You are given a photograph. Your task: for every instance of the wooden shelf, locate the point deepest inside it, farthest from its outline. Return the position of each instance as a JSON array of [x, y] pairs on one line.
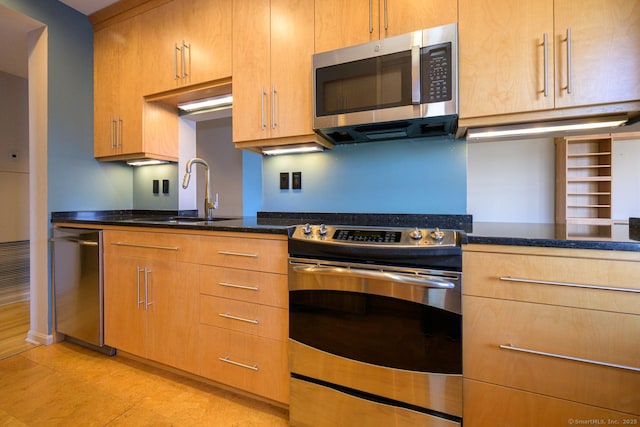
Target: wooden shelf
[[583, 186]]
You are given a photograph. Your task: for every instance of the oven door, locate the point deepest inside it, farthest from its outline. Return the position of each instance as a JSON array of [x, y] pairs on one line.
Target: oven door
[[385, 336]]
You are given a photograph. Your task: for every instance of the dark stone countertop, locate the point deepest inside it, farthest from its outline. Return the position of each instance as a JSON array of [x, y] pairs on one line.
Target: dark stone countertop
[[624, 237]]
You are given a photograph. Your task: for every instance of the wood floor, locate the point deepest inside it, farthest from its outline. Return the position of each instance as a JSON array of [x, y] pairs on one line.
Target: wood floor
[[67, 385]]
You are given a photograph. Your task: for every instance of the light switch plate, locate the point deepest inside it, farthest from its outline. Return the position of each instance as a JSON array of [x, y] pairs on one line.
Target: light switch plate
[[284, 180], [296, 183]]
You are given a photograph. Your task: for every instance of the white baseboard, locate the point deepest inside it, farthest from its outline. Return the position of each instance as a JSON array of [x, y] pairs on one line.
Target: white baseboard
[[39, 338]]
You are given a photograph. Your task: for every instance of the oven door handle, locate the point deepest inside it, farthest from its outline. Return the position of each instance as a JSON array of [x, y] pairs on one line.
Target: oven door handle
[[424, 281]]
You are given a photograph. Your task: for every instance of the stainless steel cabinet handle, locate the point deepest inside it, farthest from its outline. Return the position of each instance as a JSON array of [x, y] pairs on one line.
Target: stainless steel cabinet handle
[[263, 95], [176, 49], [562, 356], [573, 285], [185, 71], [119, 133], [242, 365], [136, 245], [274, 121], [140, 270], [241, 319], [425, 281], [146, 289], [545, 45], [231, 285], [370, 16], [238, 254], [386, 16], [569, 86], [112, 133]]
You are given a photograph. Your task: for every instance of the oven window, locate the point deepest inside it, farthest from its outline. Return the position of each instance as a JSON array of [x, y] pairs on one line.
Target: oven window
[[378, 330]]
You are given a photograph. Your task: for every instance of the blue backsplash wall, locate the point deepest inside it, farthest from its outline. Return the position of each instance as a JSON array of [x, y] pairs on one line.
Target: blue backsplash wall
[[410, 176]]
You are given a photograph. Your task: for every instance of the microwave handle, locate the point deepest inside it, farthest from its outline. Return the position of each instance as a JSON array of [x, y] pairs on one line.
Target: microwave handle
[[415, 75]]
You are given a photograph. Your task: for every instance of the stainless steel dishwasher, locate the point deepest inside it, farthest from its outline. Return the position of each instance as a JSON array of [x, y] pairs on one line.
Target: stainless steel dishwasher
[[78, 286]]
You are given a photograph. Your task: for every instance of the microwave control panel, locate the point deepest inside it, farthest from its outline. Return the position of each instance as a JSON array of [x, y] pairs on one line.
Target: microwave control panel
[[436, 70]]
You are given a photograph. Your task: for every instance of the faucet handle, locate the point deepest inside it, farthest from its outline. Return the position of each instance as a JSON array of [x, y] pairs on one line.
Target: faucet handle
[[215, 202]]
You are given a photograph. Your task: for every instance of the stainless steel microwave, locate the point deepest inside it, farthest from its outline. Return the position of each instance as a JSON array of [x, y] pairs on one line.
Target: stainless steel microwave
[[404, 86]]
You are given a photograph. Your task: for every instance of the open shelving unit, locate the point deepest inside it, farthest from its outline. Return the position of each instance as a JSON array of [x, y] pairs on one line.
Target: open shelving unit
[[583, 186]]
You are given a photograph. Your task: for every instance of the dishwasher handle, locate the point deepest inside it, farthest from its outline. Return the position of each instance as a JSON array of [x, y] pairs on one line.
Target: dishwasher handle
[[81, 242]]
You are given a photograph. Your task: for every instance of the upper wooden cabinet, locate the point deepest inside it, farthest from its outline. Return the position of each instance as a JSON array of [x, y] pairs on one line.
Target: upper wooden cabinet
[[119, 108], [340, 23], [186, 42], [538, 55], [272, 94]]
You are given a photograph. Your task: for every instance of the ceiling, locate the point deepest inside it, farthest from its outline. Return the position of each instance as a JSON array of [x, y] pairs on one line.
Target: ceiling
[[87, 7], [15, 26]]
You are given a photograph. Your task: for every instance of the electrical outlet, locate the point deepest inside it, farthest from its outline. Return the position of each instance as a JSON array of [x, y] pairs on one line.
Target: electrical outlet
[[284, 180], [296, 183], [165, 186], [156, 186]]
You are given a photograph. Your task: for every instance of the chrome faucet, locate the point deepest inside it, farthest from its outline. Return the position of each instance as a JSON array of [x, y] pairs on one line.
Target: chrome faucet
[[209, 206]]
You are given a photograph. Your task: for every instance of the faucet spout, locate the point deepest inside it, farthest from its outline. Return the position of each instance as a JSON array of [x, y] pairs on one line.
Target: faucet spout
[[209, 206]]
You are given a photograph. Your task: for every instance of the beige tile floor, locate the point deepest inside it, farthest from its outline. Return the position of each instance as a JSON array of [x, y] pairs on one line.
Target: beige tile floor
[[67, 385]]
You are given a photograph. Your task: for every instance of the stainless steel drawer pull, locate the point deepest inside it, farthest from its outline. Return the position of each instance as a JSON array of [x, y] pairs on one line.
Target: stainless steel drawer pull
[[135, 245], [242, 319], [238, 254], [231, 285], [242, 365], [571, 285], [562, 356]]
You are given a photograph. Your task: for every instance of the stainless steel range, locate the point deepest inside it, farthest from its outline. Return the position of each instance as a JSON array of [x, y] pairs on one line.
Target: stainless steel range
[[375, 326]]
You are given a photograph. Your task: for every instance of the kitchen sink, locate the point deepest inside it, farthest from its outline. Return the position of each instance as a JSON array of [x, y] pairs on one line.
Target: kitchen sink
[[180, 220]]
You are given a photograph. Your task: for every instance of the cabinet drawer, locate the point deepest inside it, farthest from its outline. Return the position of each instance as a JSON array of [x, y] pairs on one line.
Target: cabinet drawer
[[242, 252], [249, 363], [249, 318], [524, 409], [526, 278], [157, 246], [598, 336], [245, 285]]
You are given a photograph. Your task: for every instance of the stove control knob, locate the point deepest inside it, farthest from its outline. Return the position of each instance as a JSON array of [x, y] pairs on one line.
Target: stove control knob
[[307, 229], [415, 234], [322, 230], [437, 234]]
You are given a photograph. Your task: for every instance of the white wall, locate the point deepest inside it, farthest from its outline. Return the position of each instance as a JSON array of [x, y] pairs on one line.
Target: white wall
[[14, 172], [626, 179], [514, 181], [511, 181]]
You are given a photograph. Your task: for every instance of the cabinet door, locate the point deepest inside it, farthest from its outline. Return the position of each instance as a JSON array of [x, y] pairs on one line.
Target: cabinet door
[[207, 28], [291, 78], [124, 312], [105, 86], [172, 328], [605, 47], [130, 88], [403, 16], [251, 64], [502, 57], [340, 23], [161, 59]]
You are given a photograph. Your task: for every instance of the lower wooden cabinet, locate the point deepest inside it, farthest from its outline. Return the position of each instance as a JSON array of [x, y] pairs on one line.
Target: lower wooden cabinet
[[550, 336], [150, 298], [493, 405], [245, 361], [212, 305]]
